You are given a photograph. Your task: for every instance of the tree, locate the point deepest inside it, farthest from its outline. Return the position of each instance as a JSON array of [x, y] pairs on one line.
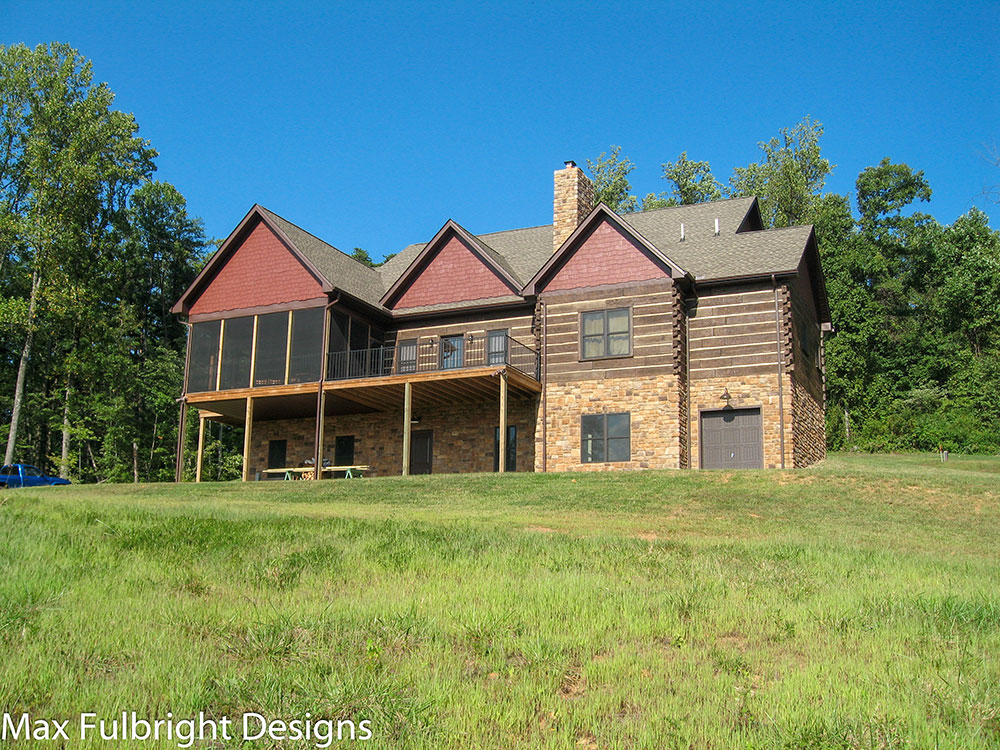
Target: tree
[[362, 256], [789, 177], [67, 164], [693, 181], [609, 173]]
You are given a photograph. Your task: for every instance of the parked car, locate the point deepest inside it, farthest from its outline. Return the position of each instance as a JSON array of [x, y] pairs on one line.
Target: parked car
[[26, 475]]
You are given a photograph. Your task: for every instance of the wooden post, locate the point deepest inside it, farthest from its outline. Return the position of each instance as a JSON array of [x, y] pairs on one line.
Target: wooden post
[[320, 431], [218, 369], [288, 347], [248, 429], [201, 447], [181, 428], [502, 459], [407, 408], [253, 351]]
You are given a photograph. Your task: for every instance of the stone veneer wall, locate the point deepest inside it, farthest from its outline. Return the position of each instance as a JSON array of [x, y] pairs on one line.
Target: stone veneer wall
[[463, 438], [808, 426], [747, 391], [653, 402]]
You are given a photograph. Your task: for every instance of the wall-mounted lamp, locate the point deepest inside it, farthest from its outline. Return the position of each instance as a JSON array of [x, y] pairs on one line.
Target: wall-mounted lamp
[[415, 420], [725, 396]]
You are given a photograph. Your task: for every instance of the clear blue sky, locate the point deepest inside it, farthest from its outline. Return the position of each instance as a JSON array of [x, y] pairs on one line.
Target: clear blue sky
[[370, 124]]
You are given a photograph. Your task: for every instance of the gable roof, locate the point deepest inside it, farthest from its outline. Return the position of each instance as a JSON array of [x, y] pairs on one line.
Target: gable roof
[[490, 258], [600, 213], [521, 256]]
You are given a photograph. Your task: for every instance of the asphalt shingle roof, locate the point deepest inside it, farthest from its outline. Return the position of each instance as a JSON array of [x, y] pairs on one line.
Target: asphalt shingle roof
[[522, 252]]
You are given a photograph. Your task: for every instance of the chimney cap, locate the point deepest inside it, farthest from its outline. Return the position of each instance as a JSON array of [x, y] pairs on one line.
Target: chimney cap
[[570, 164]]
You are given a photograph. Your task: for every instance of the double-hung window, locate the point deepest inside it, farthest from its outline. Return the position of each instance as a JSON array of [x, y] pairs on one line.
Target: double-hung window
[[605, 437], [605, 333]]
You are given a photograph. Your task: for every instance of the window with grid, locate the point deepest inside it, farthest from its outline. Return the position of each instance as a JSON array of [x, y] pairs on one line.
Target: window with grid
[[605, 438], [605, 333]]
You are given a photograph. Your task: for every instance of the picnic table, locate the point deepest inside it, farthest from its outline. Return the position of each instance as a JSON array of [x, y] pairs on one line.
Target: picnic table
[[299, 472]]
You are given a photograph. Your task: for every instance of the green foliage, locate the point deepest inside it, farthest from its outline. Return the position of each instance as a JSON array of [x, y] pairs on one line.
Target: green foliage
[[609, 173], [788, 178], [693, 183], [94, 255]]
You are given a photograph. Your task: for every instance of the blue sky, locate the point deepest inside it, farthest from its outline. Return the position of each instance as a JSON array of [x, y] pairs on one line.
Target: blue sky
[[370, 124]]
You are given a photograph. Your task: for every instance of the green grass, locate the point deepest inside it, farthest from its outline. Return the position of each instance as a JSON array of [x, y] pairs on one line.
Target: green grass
[[853, 605]]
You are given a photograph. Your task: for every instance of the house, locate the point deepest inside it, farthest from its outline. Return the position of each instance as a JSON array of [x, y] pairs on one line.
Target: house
[[682, 337]]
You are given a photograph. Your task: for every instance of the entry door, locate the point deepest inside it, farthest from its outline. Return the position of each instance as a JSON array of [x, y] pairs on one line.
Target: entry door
[[421, 451], [732, 439], [343, 450]]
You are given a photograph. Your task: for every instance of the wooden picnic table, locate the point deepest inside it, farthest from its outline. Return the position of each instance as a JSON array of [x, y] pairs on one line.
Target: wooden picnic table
[[350, 472]]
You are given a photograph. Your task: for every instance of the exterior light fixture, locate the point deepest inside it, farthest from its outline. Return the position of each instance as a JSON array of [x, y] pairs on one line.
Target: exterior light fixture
[[725, 396]]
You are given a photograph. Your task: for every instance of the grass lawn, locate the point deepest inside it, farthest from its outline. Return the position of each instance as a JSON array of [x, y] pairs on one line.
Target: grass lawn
[[856, 604]]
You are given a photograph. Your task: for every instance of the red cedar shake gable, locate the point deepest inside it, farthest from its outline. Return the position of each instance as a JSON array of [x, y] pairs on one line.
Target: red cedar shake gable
[[451, 272], [605, 256], [261, 270]]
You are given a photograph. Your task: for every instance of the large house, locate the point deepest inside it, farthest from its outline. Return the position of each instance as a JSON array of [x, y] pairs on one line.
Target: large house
[[682, 337]]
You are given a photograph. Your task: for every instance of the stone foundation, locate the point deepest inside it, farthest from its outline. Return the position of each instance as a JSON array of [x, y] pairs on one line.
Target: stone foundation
[[653, 402], [463, 438], [808, 426]]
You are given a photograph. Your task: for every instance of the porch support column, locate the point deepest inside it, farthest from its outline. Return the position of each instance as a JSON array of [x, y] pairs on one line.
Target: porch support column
[[502, 458], [320, 431], [247, 431], [181, 429], [407, 409], [201, 447]]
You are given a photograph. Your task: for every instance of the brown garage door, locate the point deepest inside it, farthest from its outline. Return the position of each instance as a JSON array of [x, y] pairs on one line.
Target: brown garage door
[[731, 439]]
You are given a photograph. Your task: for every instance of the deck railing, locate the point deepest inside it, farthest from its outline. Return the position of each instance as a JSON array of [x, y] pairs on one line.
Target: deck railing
[[446, 353]]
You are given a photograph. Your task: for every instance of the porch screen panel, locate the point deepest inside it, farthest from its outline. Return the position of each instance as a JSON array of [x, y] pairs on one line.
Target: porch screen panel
[[204, 356], [236, 343], [307, 338], [272, 346]]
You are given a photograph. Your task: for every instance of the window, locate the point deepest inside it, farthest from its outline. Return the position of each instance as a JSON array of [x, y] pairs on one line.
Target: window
[[605, 437], [237, 340], [276, 454], [407, 356], [452, 351], [31, 471], [605, 333], [496, 347], [204, 356], [343, 450], [510, 464], [272, 346], [307, 337]]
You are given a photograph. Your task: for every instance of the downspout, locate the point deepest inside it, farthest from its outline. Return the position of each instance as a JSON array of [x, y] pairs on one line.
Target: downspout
[[545, 372], [781, 370], [318, 452]]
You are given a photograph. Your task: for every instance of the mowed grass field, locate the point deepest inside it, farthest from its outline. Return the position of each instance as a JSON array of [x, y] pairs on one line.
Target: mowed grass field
[[852, 605]]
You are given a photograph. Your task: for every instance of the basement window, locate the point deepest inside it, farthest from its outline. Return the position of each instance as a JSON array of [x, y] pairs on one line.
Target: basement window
[[605, 438], [605, 333]]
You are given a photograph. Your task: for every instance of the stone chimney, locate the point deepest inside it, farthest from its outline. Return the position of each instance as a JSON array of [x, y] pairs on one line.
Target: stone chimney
[[574, 199]]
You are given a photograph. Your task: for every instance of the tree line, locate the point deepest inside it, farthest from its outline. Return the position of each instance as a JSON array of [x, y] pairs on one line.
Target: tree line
[[914, 360], [94, 251]]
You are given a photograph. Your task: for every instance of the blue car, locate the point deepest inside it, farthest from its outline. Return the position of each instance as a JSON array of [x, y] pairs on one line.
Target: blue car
[[25, 475]]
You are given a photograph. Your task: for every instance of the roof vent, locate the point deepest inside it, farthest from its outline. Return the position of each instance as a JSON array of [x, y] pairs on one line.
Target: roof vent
[[716, 227], [682, 231]]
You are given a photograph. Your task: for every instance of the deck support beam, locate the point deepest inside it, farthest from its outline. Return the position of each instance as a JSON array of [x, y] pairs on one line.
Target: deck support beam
[[502, 458], [201, 447], [247, 434], [181, 429], [407, 410]]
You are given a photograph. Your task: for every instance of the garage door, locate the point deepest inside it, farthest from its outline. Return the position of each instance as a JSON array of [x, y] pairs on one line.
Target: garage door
[[731, 439]]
